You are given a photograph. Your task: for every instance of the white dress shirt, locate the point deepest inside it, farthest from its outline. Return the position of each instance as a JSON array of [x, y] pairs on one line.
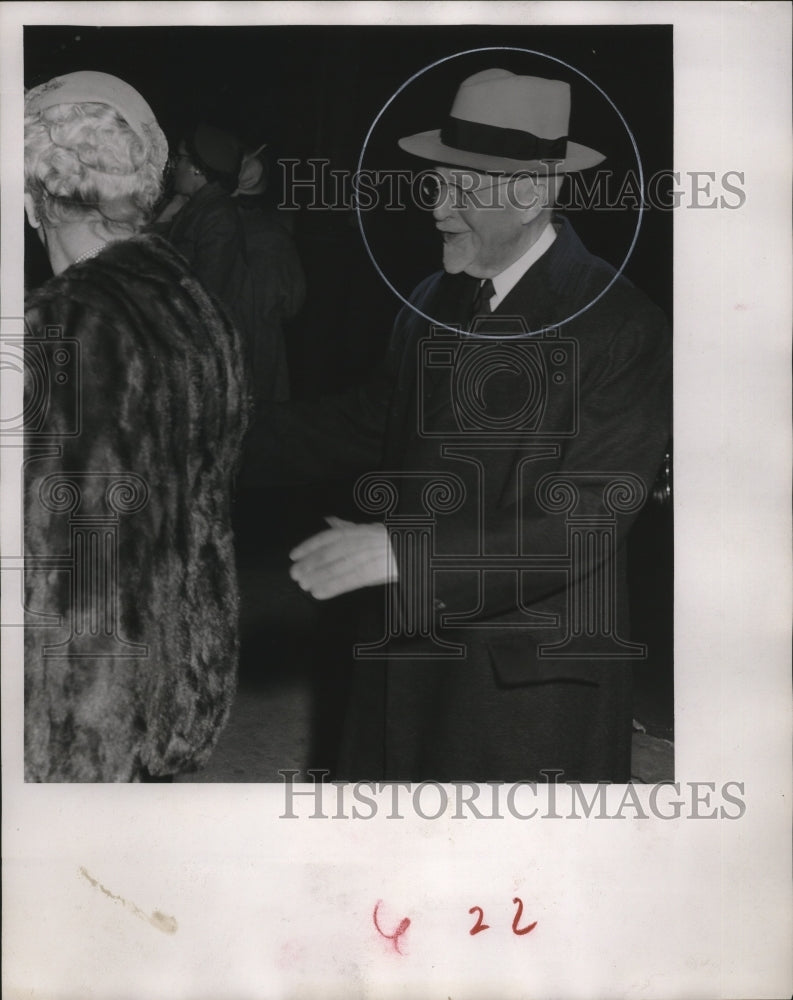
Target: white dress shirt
[[506, 281]]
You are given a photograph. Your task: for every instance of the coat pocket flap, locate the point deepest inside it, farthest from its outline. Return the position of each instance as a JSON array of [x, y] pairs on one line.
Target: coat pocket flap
[[515, 662]]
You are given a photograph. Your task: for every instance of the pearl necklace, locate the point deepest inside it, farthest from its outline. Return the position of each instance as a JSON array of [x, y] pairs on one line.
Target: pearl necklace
[[88, 254]]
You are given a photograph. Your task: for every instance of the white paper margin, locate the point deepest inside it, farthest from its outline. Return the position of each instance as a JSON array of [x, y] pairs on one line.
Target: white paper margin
[[268, 907]]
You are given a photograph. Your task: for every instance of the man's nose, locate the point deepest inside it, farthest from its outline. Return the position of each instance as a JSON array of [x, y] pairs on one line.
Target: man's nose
[[445, 207]]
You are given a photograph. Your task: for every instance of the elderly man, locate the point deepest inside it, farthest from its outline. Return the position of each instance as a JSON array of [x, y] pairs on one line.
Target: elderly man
[[515, 451]]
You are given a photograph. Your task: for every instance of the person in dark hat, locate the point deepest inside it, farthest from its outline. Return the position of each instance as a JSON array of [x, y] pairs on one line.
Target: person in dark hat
[[279, 283], [200, 221], [518, 422], [249, 265]]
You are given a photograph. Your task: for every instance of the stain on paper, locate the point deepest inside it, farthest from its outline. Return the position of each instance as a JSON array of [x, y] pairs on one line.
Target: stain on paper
[[161, 921]]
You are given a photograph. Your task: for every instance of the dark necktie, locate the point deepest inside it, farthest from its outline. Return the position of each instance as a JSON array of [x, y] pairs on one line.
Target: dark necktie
[[481, 306]]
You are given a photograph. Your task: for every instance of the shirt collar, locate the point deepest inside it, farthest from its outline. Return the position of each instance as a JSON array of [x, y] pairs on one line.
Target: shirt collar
[[506, 281]]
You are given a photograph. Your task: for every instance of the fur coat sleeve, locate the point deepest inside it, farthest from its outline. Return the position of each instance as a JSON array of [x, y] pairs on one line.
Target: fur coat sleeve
[[136, 410]]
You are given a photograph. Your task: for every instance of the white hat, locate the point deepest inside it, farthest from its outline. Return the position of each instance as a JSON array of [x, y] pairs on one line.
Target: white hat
[[503, 122]]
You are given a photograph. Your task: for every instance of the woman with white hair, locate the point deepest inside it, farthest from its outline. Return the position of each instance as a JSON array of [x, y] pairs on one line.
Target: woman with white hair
[[131, 593]]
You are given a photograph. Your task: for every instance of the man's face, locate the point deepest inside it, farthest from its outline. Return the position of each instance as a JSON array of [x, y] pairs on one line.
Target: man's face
[[482, 221]]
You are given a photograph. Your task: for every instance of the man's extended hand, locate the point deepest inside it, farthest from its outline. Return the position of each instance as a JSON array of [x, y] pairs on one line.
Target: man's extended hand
[[345, 557]]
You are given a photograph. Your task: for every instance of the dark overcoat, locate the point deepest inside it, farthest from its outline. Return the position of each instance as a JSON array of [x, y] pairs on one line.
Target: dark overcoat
[[542, 449], [135, 414], [250, 264]]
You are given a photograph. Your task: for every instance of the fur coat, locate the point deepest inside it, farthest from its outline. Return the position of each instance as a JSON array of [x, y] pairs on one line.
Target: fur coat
[[133, 438]]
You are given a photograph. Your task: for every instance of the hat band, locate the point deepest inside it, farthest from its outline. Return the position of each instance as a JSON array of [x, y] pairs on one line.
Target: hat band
[[492, 140]]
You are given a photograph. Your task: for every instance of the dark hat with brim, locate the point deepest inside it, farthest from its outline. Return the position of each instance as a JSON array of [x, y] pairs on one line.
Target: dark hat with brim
[[217, 149], [501, 122]]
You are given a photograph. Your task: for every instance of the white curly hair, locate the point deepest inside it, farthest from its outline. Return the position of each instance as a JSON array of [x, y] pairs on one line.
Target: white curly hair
[[84, 160]]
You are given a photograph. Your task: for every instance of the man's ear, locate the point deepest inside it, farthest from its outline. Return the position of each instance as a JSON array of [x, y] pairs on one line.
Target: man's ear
[[30, 211], [530, 196], [537, 193]]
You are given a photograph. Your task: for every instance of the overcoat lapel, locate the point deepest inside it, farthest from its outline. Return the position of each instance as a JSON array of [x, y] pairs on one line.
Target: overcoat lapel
[[448, 303]]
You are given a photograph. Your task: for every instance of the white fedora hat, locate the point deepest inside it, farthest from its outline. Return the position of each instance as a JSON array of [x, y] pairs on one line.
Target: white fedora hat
[[503, 122]]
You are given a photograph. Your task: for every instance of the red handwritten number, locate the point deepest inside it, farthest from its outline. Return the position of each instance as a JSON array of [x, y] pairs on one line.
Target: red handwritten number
[[518, 915], [480, 924], [394, 938]]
